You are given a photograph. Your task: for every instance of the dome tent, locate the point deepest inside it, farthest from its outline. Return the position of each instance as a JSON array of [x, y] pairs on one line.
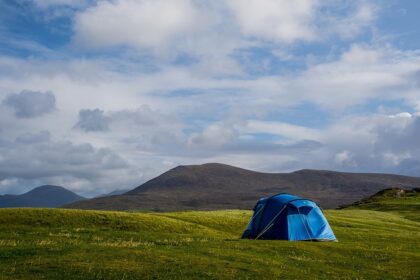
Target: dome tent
[[288, 217]]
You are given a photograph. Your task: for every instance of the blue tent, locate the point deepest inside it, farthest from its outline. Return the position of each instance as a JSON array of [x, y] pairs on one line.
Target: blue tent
[[288, 217]]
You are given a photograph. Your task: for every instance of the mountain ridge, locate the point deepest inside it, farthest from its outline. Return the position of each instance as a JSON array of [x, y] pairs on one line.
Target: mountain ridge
[[219, 186], [42, 196]]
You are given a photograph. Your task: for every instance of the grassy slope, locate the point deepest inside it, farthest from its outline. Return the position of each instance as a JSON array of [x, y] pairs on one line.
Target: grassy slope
[[403, 202], [74, 244]]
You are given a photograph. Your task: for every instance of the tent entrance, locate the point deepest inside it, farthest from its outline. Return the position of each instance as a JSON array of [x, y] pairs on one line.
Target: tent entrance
[[297, 219]]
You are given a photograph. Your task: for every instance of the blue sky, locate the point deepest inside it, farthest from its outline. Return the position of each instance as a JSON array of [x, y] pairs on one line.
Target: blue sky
[[104, 95]]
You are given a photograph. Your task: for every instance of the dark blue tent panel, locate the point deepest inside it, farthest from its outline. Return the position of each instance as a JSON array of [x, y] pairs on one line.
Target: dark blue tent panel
[[288, 217]]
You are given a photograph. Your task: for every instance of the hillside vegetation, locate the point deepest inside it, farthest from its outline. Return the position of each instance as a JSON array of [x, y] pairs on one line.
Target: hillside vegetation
[[395, 200], [77, 244]]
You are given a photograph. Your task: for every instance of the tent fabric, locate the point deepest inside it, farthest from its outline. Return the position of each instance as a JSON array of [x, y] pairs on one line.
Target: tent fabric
[[288, 217]]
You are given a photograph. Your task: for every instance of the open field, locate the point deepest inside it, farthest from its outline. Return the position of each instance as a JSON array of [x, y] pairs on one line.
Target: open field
[[76, 244]]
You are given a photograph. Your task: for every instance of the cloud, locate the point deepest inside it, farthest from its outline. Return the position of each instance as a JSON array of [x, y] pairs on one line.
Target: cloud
[[360, 17], [200, 118], [30, 104], [32, 138], [409, 167], [398, 134], [215, 28], [140, 130], [294, 132], [92, 120], [145, 23], [384, 143], [68, 3], [213, 135], [345, 159], [34, 157], [142, 85], [361, 73], [275, 20], [143, 116], [124, 120], [262, 148]]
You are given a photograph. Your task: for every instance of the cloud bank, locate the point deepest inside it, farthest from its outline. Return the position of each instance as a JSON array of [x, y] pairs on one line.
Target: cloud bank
[[104, 95]]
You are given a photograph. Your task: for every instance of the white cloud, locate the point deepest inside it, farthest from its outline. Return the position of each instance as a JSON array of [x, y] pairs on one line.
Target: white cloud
[[401, 115], [345, 159], [215, 28], [36, 157], [178, 92], [275, 20], [362, 73], [286, 130], [213, 135], [144, 23], [355, 17]]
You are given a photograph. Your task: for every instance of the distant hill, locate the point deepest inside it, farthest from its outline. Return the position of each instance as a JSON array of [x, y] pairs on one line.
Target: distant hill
[[43, 196], [220, 186]]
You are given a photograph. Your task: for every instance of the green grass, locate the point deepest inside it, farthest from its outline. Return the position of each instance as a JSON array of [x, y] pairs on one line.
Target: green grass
[[75, 244], [403, 202]]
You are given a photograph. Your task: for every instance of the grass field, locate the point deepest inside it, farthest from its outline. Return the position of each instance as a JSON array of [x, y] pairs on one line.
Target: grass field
[[75, 244]]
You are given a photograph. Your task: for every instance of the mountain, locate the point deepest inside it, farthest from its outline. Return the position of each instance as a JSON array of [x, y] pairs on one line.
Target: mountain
[[43, 196], [220, 186]]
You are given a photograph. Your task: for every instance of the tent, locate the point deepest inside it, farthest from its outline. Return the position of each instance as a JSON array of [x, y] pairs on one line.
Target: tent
[[288, 217]]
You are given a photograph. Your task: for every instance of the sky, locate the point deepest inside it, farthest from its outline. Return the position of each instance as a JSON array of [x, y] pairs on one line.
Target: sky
[[103, 95]]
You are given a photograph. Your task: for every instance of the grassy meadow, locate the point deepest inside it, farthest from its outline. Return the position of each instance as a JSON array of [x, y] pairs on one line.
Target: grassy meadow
[[77, 244]]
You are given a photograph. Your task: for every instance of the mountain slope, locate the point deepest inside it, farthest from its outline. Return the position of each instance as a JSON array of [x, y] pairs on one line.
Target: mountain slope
[[219, 186], [43, 196]]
